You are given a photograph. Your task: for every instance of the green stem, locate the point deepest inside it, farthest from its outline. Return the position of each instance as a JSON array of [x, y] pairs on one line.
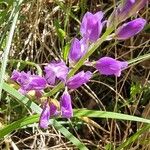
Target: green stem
[[39, 70], [139, 59], [91, 50]]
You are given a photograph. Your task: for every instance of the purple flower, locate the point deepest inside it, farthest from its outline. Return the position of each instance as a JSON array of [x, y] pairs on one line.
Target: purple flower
[[45, 115], [15, 75], [56, 70], [20, 77], [28, 82], [130, 29], [78, 49], [91, 26], [110, 66], [125, 10], [66, 106], [49, 110], [78, 79]]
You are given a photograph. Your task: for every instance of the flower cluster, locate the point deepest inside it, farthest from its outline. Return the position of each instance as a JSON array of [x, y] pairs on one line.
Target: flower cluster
[[90, 30]]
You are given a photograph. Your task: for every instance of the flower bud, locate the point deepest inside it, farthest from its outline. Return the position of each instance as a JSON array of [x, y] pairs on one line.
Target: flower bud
[[45, 115], [110, 66], [91, 26], [78, 49], [78, 79], [49, 109], [125, 10], [65, 105], [130, 29]]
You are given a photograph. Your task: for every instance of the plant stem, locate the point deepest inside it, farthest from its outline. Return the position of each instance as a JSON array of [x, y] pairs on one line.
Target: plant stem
[[39, 70], [91, 50]]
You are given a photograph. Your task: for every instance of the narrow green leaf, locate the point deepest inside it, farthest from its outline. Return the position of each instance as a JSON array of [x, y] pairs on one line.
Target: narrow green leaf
[[8, 45], [33, 119], [105, 114], [77, 113], [22, 98], [30, 104], [18, 124], [69, 136]]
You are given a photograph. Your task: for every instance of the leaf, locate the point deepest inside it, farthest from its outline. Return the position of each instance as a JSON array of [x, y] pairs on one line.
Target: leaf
[[106, 114], [18, 125], [30, 104], [69, 136], [23, 99], [57, 125], [8, 44]]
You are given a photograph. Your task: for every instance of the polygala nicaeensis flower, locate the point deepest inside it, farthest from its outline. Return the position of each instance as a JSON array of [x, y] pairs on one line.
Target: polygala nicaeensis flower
[[124, 11], [49, 110], [66, 105], [79, 79], [56, 70], [130, 29], [28, 82], [110, 66], [45, 115], [91, 26], [78, 49]]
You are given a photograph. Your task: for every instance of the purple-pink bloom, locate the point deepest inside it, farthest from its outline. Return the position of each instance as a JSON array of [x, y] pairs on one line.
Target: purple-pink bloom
[[110, 66], [78, 49], [45, 115], [20, 77], [56, 70], [49, 109], [125, 10], [66, 105], [91, 26], [130, 29], [28, 82], [79, 79]]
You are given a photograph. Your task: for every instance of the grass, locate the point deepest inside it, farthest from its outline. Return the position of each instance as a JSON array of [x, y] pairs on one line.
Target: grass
[[36, 32]]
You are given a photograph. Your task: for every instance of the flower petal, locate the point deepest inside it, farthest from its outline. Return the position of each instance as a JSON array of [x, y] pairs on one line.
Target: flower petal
[[110, 66], [130, 29], [79, 79], [15, 75], [75, 50], [78, 49], [28, 82], [91, 26], [45, 115], [56, 69], [66, 106], [124, 11]]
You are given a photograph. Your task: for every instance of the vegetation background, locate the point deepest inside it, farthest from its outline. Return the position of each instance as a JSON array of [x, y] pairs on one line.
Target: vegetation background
[[37, 31]]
